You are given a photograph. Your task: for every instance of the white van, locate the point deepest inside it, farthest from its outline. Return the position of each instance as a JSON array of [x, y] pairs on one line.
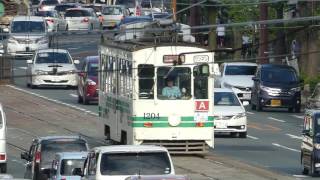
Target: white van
[[119, 162], [3, 148]]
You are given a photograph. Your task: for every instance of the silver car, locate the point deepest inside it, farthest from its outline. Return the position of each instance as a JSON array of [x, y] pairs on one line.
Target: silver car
[[112, 15], [52, 67], [27, 34], [82, 19]]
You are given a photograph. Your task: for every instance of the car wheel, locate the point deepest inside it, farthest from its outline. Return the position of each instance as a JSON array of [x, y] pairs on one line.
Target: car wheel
[[80, 99], [32, 86], [3, 168], [243, 135]]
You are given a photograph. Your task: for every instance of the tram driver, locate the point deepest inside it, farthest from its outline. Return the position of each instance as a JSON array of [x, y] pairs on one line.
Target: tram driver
[[170, 90]]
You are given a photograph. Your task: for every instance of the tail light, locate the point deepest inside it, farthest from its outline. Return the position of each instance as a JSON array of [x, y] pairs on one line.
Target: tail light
[[63, 178], [138, 11], [38, 157], [147, 124], [85, 20], [2, 157], [50, 20], [199, 124]]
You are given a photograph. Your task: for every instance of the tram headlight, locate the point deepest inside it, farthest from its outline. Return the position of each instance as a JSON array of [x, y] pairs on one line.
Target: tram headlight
[[174, 121]]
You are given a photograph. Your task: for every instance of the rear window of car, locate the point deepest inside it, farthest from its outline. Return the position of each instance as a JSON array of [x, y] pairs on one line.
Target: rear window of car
[[240, 70], [77, 13], [64, 7], [68, 165], [53, 57], [112, 11], [50, 148], [144, 163], [49, 2], [45, 14]]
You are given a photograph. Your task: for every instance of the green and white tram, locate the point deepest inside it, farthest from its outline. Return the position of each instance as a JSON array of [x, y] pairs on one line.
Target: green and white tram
[[157, 94]]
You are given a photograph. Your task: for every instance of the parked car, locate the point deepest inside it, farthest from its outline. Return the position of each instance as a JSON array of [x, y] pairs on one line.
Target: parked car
[[3, 141], [238, 77], [276, 86], [88, 80], [96, 7], [122, 161], [64, 164], [47, 5], [310, 147], [42, 152], [52, 67], [229, 113], [82, 19], [27, 34], [158, 177], [54, 21], [313, 102], [112, 15], [61, 8]]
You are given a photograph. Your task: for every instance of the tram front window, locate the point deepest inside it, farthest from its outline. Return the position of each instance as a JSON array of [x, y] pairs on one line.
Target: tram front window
[[174, 83], [146, 81]]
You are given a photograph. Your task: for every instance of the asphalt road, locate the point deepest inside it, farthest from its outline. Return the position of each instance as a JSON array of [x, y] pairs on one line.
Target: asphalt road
[[274, 136]]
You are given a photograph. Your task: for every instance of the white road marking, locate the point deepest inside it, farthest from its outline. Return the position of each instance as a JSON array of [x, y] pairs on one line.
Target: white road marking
[[74, 48], [252, 137], [300, 176], [250, 112], [54, 100], [73, 95], [275, 119], [285, 147], [298, 116], [294, 136], [23, 68]]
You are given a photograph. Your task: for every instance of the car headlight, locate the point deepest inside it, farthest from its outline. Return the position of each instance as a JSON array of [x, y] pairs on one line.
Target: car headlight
[[91, 83], [271, 90], [317, 146], [227, 85], [240, 115], [296, 89], [42, 40], [40, 72], [12, 40]]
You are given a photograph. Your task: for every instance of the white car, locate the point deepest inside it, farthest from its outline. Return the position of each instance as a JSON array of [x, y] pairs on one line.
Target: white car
[[229, 113], [3, 144], [54, 21], [119, 162], [238, 77], [82, 19], [52, 67], [112, 15], [47, 5], [26, 35]]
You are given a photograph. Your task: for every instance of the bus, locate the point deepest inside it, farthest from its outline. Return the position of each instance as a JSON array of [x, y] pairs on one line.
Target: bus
[[157, 94]]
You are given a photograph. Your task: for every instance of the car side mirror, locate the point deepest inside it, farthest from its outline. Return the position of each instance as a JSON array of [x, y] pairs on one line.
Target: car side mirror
[[77, 172], [25, 156], [245, 103], [255, 79], [76, 61]]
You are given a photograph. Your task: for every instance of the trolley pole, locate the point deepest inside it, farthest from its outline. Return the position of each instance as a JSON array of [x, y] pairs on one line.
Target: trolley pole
[[263, 36]]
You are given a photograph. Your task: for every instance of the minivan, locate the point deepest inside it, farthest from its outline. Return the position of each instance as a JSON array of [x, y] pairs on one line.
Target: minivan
[[276, 86], [310, 147], [3, 146]]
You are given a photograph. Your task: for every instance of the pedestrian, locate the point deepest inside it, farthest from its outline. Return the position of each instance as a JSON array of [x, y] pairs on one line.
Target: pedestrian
[[245, 45], [220, 35]]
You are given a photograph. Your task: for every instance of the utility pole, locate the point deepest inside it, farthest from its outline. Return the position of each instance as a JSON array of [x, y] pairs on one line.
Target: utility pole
[[263, 36], [174, 9]]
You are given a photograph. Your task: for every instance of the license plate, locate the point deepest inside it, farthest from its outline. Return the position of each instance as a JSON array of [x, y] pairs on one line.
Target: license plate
[[246, 96], [275, 102], [221, 124]]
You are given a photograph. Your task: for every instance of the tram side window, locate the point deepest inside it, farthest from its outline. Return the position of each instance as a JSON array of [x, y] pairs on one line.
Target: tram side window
[[201, 74], [146, 81]]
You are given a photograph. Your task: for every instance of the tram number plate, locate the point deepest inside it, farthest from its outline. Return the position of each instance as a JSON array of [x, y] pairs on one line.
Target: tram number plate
[[151, 116], [201, 116]]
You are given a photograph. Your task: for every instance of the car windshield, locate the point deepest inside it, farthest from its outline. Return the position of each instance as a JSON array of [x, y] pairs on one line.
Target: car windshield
[[93, 69], [64, 7], [53, 57], [112, 11], [240, 70], [144, 163], [225, 99], [279, 75], [77, 13], [127, 3], [50, 148], [28, 27], [50, 2], [45, 13], [68, 165]]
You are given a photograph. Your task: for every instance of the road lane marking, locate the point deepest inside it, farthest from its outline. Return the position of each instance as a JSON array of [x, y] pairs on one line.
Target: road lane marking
[[252, 137], [272, 128], [73, 95], [298, 116], [250, 112], [300, 176], [73, 48], [285, 147], [263, 127], [23, 68], [275, 119], [54, 100], [294, 136]]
